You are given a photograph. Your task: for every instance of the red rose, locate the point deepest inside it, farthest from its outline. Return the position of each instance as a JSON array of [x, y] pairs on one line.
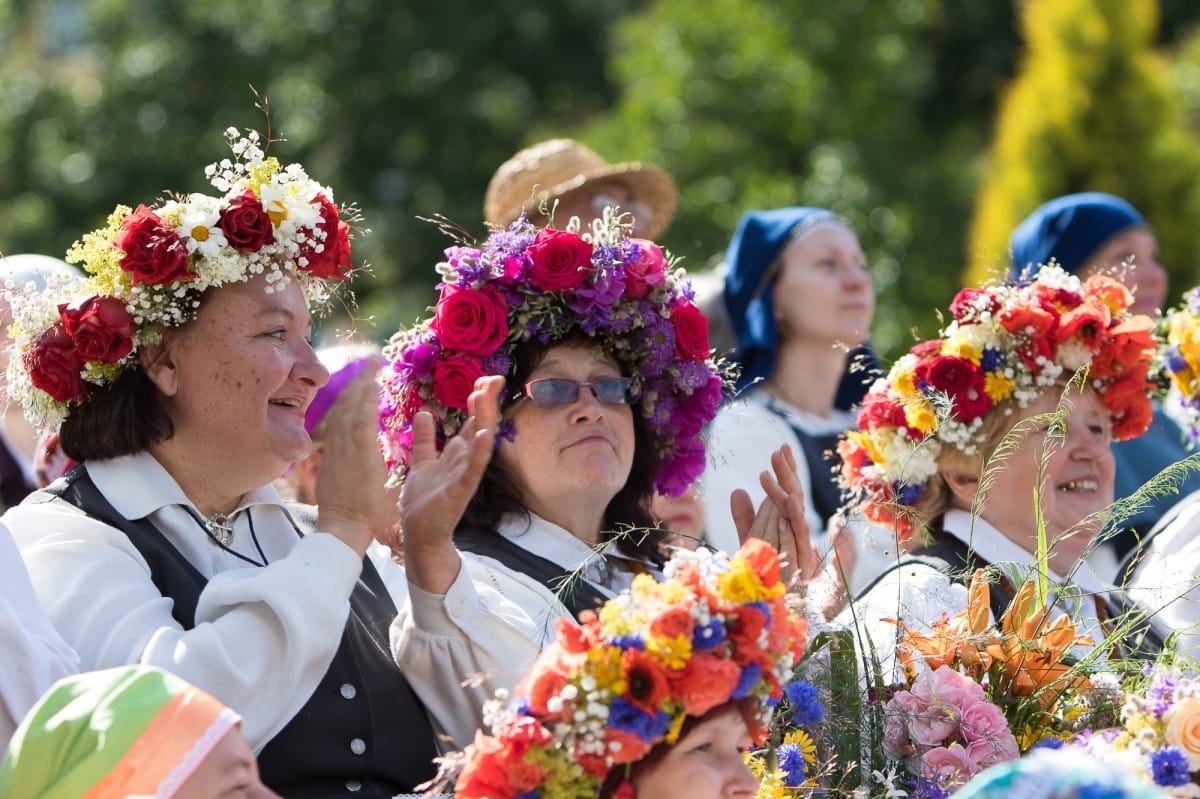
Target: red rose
[[454, 379], [672, 623], [1033, 321], [484, 776], [961, 380], [558, 261], [247, 226], [101, 327], [648, 268], [54, 367], [691, 332], [965, 306], [333, 261], [705, 682], [474, 322], [154, 253]]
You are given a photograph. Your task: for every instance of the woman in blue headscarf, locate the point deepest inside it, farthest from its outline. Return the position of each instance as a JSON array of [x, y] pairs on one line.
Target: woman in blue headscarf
[[1093, 232], [799, 300]]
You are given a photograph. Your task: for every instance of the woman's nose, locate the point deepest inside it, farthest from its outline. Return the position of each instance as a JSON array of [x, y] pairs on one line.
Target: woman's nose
[[586, 407], [741, 781], [309, 368]]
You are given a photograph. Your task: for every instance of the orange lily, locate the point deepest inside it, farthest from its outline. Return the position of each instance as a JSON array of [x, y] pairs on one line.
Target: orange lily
[[962, 642]]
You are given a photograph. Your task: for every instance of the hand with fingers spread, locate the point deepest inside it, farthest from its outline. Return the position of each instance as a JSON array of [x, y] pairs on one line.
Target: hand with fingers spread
[[779, 519], [351, 489], [439, 486]]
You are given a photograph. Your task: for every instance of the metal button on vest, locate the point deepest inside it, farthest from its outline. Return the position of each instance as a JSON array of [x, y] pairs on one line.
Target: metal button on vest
[[348, 691], [353, 785], [358, 746]]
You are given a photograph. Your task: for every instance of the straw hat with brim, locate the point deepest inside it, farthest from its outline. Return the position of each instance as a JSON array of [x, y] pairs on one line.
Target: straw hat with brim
[[550, 169]]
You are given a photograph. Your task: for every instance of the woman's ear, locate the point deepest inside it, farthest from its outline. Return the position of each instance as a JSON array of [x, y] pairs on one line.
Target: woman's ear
[[963, 485], [158, 362]]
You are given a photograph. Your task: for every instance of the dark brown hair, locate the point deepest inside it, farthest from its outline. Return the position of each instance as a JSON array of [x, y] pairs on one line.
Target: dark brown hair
[[124, 417], [499, 493]]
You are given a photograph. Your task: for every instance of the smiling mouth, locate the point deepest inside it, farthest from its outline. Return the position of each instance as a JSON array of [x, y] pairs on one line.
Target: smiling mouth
[[1073, 486], [286, 403]]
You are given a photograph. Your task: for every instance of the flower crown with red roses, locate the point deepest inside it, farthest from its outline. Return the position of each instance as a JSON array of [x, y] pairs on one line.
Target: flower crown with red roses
[[528, 284], [716, 630], [1007, 344], [147, 268]]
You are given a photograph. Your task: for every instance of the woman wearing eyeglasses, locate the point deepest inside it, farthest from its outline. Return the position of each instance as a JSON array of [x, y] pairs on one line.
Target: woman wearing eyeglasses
[[561, 381]]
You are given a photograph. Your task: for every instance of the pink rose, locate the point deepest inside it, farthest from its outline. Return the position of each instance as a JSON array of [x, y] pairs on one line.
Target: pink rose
[[691, 332], [54, 367], [454, 379], [647, 269], [474, 322], [154, 253], [989, 741], [247, 226], [101, 328], [333, 261], [559, 261], [950, 766]]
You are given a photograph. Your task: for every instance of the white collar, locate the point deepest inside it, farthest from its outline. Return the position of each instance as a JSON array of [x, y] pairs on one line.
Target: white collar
[[550, 541], [138, 485], [997, 548]]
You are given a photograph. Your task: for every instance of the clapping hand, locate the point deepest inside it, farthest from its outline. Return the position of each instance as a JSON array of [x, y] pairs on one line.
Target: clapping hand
[[439, 486], [779, 519]]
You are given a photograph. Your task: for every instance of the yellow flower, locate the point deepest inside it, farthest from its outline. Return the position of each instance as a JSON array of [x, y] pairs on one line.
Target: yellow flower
[[962, 349], [741, 585], [920, 414], [997, 386], [671, 652], [864, 441], [604, 663], [904, 383], [808, 747]]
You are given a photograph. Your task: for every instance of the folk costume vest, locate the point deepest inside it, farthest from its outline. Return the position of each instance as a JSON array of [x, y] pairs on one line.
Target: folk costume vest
[[363, 732]]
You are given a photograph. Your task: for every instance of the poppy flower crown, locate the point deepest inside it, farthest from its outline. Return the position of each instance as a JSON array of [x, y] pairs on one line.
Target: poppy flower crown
[[1005, 346], [147, 268], [528, 284], [1179, 357], [716, 630]]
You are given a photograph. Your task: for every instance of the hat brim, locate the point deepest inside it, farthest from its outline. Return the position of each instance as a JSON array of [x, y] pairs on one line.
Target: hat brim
[[646, 183]]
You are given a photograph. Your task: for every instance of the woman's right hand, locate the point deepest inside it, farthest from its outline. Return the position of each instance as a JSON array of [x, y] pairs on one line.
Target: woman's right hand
[[438, 487]]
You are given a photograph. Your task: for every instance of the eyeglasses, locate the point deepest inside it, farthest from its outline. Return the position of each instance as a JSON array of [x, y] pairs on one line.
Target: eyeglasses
[[547, 391], [640, 211]]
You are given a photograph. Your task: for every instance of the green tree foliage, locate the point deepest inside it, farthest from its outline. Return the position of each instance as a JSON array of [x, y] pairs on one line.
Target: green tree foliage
[[1093, 107], [405, 109], [874, 109]]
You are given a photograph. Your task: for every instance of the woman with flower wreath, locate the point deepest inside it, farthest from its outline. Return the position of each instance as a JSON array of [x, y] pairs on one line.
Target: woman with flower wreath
[[657, 694], [979, 442], [180, 370], [562, 380]]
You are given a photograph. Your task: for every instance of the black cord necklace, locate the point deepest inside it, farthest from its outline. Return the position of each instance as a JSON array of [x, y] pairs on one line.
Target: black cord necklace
[[220, 533]]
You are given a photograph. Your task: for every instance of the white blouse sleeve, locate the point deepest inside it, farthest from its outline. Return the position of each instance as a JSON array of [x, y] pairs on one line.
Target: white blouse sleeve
[[1167, 579], [482, 635], [32, 653], [740, 442], [263, 638]]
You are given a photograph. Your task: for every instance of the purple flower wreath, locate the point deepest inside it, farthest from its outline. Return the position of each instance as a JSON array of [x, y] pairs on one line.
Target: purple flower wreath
[[526, 283]]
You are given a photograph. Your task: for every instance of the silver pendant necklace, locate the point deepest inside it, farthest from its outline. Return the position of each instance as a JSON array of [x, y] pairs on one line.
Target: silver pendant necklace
[[218, 527]]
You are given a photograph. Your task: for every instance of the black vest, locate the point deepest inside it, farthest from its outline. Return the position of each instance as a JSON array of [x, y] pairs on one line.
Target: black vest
[[363, 732], [820, 453], [572, 590]]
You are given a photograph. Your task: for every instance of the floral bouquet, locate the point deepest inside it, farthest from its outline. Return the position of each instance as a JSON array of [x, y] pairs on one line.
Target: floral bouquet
[[1179, 357], [1158, 732]]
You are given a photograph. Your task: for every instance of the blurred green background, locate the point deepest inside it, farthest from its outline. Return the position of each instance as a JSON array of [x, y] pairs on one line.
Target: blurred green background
[[932, 126]]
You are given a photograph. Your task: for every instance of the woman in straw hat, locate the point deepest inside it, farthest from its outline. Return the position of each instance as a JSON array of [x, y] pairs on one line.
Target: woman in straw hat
[[979, 442], [181, 370], [617, 706], [561, 381], [561, 178], [130, 731]]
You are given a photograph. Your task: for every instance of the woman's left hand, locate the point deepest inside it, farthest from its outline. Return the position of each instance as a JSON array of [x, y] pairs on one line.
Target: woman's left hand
[[779, 519]]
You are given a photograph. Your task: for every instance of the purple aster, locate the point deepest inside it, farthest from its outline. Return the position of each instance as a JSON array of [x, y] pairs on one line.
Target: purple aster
[[626, 716], [600, 296], [1175, 360], [1193, 300], [1160, 694], [657, 338], [1169, 766], [791, 762], [749, 678], [497, 364], [923, 788], [807, 709]]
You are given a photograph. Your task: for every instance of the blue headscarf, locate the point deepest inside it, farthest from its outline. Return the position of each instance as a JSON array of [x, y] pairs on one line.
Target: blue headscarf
[[759, 239], [1068, 229]]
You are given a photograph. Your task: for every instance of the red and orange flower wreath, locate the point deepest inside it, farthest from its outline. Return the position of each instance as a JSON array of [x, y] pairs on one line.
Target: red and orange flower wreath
[[608, 690], [147, 267], [1006, 345], [525, 283]]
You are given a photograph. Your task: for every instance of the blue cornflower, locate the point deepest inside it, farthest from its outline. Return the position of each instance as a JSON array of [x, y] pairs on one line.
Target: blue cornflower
[[922, 788], [708, 636], [748, 679], [629, 642], [1169, 766], [1048, 743], [625, 716], [807, 709], [792, 764], [992, 359]]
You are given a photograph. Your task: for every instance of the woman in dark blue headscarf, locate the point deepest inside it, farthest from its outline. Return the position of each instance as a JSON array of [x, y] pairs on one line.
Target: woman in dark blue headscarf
[[1093, 232], [798, 298]]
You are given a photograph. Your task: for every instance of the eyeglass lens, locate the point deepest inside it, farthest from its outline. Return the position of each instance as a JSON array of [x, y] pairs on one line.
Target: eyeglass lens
[[561, 390]]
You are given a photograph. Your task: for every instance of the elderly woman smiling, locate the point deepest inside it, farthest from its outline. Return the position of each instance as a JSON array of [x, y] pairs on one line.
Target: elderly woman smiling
[[1012, 444], [587, 363], [181, 371]]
